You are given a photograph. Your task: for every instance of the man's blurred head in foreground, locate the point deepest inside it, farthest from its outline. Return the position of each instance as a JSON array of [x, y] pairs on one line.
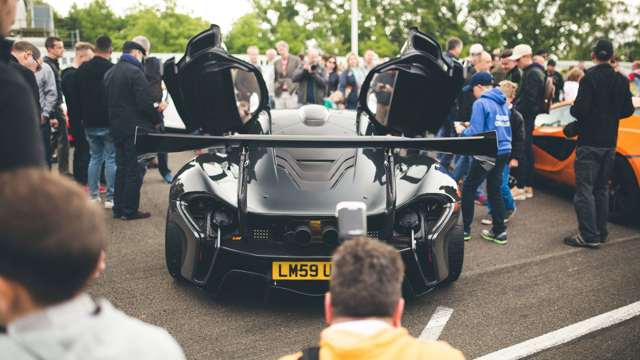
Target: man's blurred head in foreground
[[366, 282], [44, 262]]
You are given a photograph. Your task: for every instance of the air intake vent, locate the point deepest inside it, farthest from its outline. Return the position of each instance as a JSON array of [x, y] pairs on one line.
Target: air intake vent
[[261, 234]]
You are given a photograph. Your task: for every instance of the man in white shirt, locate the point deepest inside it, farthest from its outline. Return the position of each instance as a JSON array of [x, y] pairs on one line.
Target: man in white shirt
[[44, 268], [269, 74]]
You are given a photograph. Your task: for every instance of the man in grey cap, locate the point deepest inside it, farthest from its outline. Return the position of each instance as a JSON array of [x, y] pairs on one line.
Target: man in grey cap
[[129, 104]]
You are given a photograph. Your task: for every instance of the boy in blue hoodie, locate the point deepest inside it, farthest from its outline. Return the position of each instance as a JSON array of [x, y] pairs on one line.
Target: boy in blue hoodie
[[490, 113]]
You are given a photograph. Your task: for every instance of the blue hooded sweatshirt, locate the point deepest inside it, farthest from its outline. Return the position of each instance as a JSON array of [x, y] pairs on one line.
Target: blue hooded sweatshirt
[[491, 113]]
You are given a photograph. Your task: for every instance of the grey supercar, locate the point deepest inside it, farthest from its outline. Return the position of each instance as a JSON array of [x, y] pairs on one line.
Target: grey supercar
[[260, 201]]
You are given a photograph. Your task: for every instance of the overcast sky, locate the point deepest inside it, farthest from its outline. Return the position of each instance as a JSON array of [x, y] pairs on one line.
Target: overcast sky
[[221, 12]]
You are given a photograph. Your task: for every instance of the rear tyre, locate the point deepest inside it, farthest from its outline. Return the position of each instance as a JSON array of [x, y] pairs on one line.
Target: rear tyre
[[455, 247], [174, 250], [624, 195]]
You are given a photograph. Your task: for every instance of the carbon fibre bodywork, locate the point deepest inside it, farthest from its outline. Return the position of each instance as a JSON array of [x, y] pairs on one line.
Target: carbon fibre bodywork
[[292, 186]]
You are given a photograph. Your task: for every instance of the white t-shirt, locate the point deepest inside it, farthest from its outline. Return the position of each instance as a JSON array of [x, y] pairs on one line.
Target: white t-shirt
[[570, 90]]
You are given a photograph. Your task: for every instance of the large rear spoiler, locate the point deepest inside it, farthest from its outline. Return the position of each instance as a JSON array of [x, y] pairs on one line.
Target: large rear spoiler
[[153, 142]]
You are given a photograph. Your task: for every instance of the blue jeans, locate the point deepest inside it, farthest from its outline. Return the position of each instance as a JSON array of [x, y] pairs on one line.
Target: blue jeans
[[477, 174], [509, 204], [102, 150], [462, 167]]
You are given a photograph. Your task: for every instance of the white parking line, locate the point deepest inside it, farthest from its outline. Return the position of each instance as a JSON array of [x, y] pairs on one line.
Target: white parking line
[[565, 334], [535, 259], [436, 324]]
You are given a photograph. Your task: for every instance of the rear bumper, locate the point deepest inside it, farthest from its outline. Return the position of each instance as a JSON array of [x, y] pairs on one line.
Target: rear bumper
[[211, 263]]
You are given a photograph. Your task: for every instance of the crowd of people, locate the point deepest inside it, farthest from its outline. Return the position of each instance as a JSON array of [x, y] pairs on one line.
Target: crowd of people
[[46, 264], [311, 77], [505, 91], [104, 103]]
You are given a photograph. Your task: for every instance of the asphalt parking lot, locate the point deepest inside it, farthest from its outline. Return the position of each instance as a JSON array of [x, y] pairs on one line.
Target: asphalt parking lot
[[506, 294]]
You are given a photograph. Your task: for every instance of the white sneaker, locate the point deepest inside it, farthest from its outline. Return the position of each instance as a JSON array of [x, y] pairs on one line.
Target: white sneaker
[[108, 204], [518, 194], [528, 191]]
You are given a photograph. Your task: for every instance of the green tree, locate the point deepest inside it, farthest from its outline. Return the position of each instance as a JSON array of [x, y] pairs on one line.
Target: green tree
[[245, 32], [167, 30], [93, 20], [565, 27]]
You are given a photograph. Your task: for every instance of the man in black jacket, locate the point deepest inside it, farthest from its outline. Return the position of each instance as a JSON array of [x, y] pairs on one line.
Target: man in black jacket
[[603, 99], [153, 73], [55, 50], [514, 74], [558, 80], [529, 102], [21, 59], [129, 105], [20, 140], [83, 53], [93, 112]]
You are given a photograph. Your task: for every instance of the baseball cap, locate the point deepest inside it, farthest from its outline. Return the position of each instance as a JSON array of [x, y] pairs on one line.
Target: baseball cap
[[480, 78], [132, 45], [520, 51], [476, 49], [603, 49]]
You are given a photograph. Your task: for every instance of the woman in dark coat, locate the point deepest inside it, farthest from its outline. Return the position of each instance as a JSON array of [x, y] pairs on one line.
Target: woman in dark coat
[[331, 70]]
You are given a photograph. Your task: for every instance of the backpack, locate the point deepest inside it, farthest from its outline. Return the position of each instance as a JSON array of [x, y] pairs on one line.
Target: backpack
[[311, 353], [549, 92]]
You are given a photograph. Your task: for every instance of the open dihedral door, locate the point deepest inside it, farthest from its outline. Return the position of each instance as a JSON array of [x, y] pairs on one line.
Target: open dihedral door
[[413, 93], [213, 91]]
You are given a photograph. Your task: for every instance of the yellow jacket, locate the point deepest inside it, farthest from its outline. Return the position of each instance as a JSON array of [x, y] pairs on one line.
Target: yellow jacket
[[388, 343]]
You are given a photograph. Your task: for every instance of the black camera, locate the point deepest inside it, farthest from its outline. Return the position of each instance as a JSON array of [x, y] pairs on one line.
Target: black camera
[[314, 67]]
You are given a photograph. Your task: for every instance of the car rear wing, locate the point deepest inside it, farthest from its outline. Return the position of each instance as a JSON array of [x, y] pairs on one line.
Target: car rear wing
[[154, 142]]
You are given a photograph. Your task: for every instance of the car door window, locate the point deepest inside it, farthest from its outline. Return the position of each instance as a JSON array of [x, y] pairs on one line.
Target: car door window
[[559, 116]]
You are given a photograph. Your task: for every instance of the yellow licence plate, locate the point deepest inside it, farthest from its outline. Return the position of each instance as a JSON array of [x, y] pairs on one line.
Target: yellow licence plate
[[301, 270]]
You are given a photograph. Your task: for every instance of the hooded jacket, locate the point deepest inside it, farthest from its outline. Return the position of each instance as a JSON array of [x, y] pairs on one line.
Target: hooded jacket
[[389, 343], [92, 104], [491, 113], [82, 329]]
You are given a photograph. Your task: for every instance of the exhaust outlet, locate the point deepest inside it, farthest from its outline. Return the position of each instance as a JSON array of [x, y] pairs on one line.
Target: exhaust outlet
[[302, 234], [330, 235]]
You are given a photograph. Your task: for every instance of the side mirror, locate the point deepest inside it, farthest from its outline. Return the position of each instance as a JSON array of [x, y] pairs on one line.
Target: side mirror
[[413, 93]]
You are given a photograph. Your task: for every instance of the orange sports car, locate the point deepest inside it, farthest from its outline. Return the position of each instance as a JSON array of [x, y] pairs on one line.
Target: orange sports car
[[554, 156]]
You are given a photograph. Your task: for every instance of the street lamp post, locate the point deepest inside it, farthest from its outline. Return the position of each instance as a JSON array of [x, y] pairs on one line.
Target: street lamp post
[[354, 26]]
